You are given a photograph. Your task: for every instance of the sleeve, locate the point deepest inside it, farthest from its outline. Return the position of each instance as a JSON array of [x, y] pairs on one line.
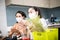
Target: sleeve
[[44, 24], [11, 31]]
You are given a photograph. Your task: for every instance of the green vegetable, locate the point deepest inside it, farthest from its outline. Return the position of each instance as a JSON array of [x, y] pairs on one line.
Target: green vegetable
[[36, 22]]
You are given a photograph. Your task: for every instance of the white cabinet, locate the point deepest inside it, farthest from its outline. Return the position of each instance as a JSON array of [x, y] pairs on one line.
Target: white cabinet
[[54, 3], [38, 3]]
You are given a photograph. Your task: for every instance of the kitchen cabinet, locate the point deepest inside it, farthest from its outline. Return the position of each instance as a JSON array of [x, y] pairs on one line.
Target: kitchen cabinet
[[54, 3], [38, 3]]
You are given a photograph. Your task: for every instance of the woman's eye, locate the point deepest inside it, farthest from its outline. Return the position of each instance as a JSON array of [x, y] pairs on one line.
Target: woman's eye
[[30, 11], [19, 16]]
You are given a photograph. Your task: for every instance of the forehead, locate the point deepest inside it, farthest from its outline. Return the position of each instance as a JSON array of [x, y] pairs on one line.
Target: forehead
[[18, 14], [31, 9]]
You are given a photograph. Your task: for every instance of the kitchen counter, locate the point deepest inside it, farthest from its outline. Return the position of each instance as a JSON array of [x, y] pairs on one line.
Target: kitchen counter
[[55, 25]]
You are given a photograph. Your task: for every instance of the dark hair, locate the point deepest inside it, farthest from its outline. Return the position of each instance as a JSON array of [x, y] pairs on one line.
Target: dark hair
[[38, 10], [22, 13]]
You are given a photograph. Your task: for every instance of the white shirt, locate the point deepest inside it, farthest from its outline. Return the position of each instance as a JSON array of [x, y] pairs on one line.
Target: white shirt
[[44, 24]]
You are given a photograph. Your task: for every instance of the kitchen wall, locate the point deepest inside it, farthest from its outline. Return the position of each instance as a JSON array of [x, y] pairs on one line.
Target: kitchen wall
[[55, 12], [11, 11], [46, 13]]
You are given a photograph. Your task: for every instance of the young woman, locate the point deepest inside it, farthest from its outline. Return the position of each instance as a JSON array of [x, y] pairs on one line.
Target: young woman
[[20, 27], [34, 13], [38, 22]]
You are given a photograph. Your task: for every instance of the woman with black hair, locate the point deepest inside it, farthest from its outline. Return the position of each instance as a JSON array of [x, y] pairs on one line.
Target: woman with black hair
[[38, 21], [34, 13], [20, 27]]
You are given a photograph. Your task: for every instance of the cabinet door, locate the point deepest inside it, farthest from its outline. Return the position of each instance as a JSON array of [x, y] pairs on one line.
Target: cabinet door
[[38, 3], [54, 3]]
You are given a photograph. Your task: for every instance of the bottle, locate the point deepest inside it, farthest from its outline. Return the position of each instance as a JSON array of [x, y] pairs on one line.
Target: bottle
[[53, 19]]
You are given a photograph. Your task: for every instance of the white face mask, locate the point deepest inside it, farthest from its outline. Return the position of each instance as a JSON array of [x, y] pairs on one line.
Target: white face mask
[[32, 15], [19, 19]]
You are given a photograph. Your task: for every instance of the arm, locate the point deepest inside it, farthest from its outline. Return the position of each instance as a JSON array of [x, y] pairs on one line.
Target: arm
[[30, 26], [12, 31], [44, 24]]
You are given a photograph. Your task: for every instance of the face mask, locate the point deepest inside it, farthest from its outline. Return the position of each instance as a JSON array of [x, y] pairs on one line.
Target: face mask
[[19, 19], [32, 15]]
